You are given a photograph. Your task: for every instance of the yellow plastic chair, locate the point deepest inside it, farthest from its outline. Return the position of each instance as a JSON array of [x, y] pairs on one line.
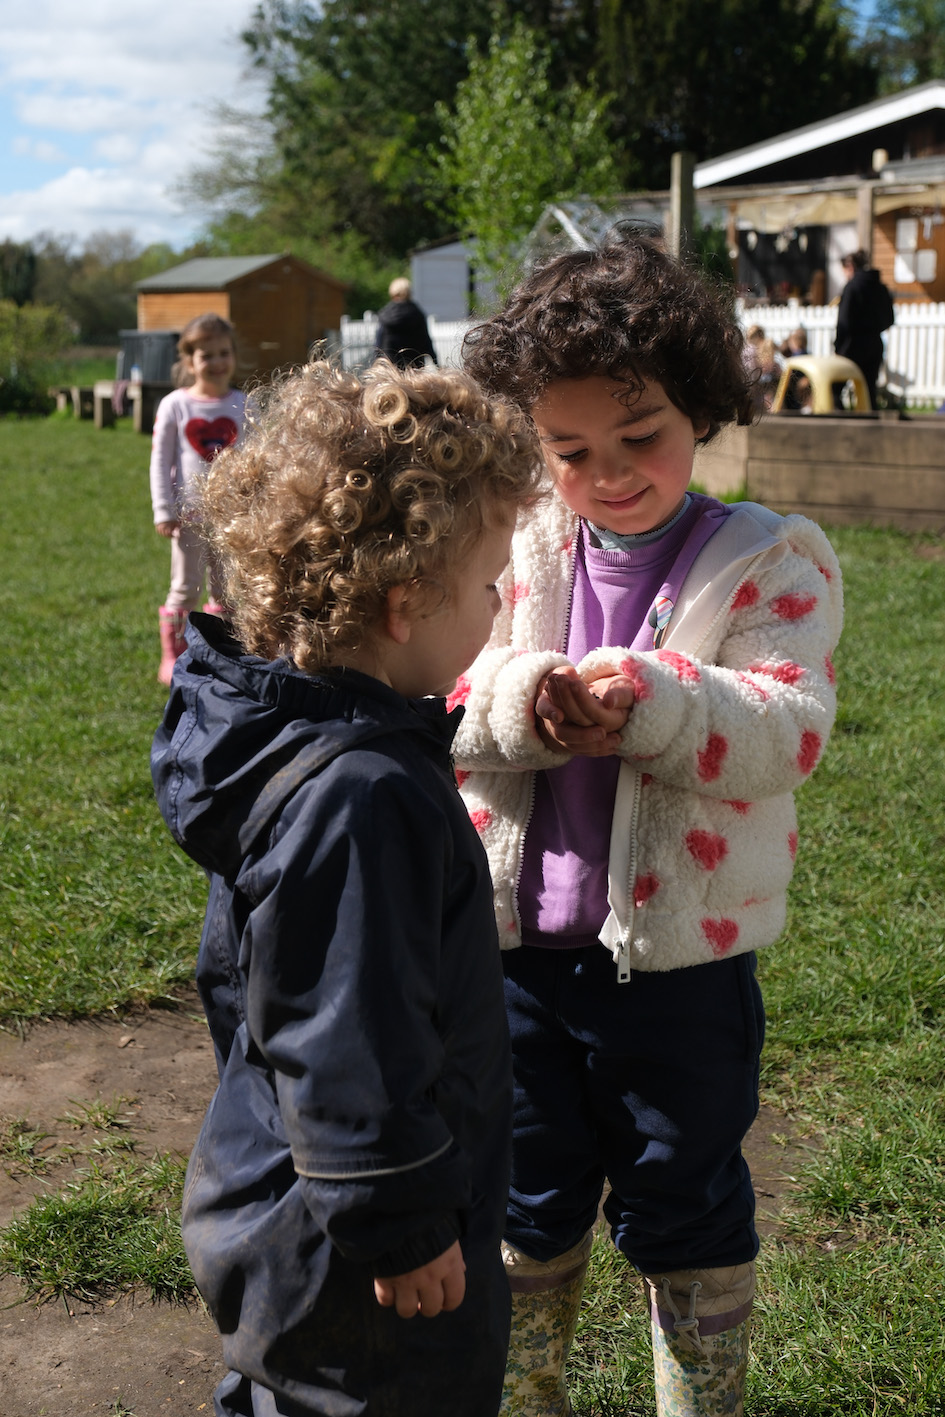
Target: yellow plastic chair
[[823, 372]]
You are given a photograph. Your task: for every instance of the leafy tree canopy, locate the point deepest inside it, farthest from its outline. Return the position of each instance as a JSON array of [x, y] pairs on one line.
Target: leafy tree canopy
[[17, 272], [713, 78], [356, 91], [907, 41], [352, 89], [511, 143], [93, 285], [371, 129], [30, 338]]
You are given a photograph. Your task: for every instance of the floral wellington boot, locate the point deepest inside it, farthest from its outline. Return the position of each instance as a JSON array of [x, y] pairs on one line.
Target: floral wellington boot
[[546, 1301], [699, 1325]]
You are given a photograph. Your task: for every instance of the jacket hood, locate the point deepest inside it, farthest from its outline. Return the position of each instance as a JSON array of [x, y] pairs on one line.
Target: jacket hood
[[240, 734]]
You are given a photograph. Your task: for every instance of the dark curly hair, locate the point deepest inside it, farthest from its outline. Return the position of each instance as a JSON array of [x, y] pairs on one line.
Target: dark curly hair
[[626, 310], [346, 487]]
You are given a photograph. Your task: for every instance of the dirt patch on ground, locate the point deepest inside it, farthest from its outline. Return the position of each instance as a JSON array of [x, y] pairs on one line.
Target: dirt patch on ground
[[129, 1356]]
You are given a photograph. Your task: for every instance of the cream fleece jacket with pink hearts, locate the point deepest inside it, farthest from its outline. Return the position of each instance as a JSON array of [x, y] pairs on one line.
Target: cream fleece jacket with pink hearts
[[732, 713]]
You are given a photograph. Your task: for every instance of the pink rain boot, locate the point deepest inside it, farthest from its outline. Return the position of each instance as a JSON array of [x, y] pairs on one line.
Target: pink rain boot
[[214, 607], [173, 643]]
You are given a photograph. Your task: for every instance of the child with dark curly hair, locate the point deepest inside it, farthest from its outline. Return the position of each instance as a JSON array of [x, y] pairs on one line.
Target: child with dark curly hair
[[352, 1169], [659, 682]]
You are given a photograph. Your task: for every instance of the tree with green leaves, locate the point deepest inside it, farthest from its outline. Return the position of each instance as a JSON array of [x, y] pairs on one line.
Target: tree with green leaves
[[347, 166], [343, 174], [31, 337], [906, 38], [353, 86], [17, 272], [713, 78], [512, 143], [93, 284]]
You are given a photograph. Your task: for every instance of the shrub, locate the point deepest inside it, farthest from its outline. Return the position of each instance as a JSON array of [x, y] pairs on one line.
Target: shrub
[[31, 337]]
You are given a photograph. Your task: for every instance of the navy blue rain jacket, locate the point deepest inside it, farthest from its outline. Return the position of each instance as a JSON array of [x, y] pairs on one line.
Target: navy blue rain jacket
[[351, 975]]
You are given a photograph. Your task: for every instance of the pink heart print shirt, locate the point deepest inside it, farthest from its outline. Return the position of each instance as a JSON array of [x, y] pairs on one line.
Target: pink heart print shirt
[[188, 434]]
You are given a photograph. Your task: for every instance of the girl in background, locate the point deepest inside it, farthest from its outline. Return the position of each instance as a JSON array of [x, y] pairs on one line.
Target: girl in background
[[197, 420]]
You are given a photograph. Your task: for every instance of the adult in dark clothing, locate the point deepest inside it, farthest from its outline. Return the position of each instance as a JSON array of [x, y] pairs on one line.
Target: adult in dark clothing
[[402, 334], [866, 309]]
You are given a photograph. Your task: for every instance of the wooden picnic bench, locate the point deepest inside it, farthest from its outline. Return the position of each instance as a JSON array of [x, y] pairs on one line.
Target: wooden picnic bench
[[81, 397]]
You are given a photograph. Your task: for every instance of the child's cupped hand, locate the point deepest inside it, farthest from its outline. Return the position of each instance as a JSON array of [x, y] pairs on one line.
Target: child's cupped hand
[[434, 1288], [575, 715]]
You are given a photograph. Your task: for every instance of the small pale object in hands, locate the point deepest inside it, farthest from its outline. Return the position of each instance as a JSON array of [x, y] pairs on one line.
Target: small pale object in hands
[[574, 717]]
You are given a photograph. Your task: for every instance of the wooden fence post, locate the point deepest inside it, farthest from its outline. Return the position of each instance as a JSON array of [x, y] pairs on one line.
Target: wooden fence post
[[681, 204]]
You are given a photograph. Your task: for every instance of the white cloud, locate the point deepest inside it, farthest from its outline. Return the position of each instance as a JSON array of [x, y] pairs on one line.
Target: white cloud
[[119, 96], [140, 49], [84, 200], [117, 148], [37, 149], [80, 113]]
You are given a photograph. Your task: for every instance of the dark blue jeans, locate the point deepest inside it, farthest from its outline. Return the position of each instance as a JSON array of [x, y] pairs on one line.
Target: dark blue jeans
[[652, 1085]]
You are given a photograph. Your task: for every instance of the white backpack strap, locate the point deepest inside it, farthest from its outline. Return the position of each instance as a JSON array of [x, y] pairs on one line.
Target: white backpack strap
[[749, 532]]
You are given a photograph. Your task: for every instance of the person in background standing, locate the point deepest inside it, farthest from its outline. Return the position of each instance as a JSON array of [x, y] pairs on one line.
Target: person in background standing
[[203, 415], [866, 310], [402, 334], [798, 393], [754, 338], [795, 344], [769, 371]]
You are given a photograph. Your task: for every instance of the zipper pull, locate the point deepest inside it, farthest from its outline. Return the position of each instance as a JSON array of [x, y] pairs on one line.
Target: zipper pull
[[661, 612], [623, 962]]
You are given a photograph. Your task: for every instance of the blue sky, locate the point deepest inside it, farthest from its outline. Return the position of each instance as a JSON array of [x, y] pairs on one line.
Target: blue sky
[[104, 106]]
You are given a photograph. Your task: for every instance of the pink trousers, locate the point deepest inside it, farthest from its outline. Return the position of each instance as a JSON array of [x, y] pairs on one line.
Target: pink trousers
[[191, 561]]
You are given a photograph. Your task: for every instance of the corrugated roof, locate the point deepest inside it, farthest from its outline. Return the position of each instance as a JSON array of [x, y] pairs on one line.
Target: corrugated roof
[[206, 273]]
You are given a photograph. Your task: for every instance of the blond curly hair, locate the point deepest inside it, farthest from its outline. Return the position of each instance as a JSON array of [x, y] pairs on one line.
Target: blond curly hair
[[346, 487]]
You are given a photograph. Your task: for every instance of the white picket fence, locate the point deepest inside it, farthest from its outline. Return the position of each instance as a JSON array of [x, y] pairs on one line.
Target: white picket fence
[[356, 340], [915, 346]]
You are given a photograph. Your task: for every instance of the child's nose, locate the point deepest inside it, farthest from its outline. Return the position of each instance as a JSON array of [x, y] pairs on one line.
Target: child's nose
[[613, 467]]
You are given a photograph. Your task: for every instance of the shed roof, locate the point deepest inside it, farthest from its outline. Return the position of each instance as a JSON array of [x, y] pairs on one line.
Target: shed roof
[[217, 272], [907, 103]]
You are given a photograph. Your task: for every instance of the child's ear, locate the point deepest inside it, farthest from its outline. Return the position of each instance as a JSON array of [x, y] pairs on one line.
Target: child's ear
[[397, 614]]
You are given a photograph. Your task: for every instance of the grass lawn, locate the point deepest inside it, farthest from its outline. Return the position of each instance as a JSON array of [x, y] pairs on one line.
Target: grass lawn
[[82, 366], [98, 908]]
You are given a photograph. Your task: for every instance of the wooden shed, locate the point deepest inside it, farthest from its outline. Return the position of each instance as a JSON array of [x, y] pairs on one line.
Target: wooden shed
[[279, 305]]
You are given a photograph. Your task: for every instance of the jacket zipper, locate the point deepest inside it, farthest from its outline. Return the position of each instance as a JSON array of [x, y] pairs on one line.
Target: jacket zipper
[[516, 913], [626, 934]]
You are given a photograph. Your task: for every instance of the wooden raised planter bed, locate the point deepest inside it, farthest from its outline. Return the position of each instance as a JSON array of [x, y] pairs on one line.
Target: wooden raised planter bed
[[883, 471]]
